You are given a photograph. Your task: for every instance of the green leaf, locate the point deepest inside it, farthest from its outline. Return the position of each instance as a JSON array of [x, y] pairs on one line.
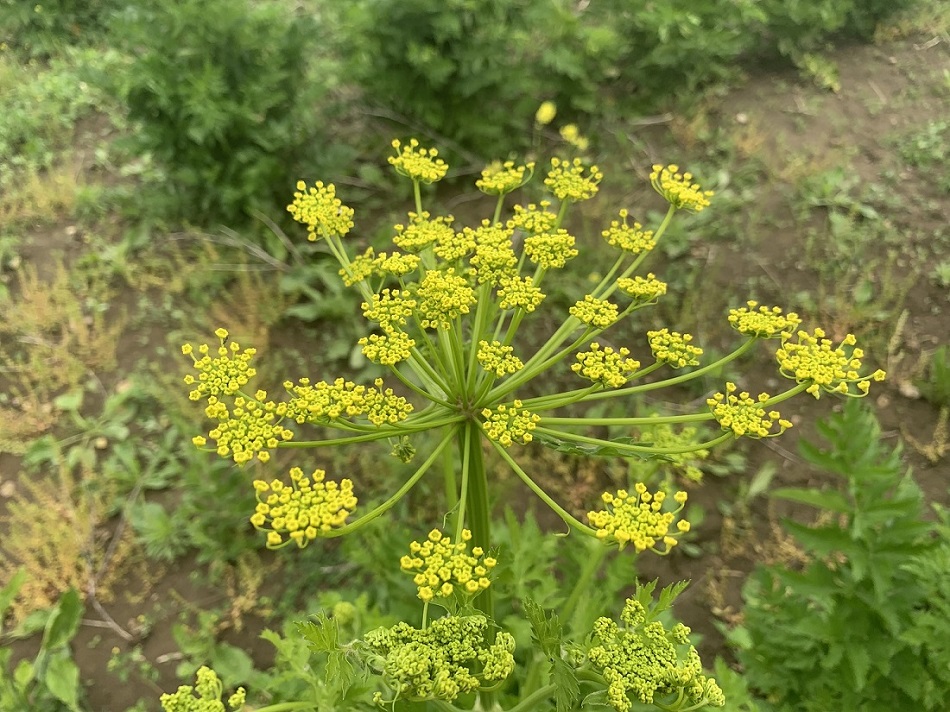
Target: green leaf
[[547, 634], [322, 633], [63, 624], [23, 674], [62, 680], [9, 592], [824, 499]]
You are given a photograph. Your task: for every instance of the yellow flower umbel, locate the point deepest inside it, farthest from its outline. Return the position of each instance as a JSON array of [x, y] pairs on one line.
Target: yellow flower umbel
[[639, 519], [225, 374], [321, 211], [764, 322], [442, 568], [418, 164], [609, 368], [673, 348], [678, 188], [745, 416], [545, 113], [629, 238], [644, 290], [567, 180], [815, 360], [498, 359], [509, 424], [307, 508], [502, 178]]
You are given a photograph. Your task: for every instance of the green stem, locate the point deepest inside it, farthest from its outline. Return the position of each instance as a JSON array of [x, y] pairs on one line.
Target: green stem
[[566, 516], [654, 420], [369, 437], [639, 260], [400, 493], [288, 706], [530, 703], [635, 449], [596, 553]]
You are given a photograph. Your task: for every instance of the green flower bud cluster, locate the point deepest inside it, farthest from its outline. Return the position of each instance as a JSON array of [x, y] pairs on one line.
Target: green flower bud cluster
[[509, 424], [422, 230], [644, 659], [326, 402], [502, 178], [764, 322], [303, 510], [442, 569], [450, 657], [835, 369], [208, 688], [321, 211], [673, 348], [638, 518], [418, 164], [644, 290], [225, 374], [678, 188], [598, 313], [567, 180], [629, 238], [498, 359], [252, 427], [745, 416], [610, 368]]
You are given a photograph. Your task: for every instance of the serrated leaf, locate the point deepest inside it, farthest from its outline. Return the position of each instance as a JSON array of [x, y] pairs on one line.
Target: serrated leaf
[[340, 672], [321, 633], [668, 595], [547, 634]]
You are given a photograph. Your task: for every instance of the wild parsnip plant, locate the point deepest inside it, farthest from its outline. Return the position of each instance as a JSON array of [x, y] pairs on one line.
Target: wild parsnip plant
[[443, 309]]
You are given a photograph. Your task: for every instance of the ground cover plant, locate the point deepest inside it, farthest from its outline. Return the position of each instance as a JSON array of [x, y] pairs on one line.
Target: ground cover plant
[[141, 563]]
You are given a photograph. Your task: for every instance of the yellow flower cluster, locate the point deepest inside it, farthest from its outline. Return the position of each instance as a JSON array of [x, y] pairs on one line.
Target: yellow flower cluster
[[395, 264], [359, 268], [224, 374], [302, 510], [550, 250], [324, 401], [494, 258], [745, 416], [567, 180], [678, 188], [630, 238], [508, 424], [673, 348], [835, 369], [764, 322], [321, 211], [418, 164], [422, 230], [571, 134], [643, 289], [389, 348], [545, 113], [441, 568], [638, 518], [443, 297], [455, 245], [610, 368], [498, 359], [251, 427], [519, 293], [533, 218], [598, 313], [502, 178], [391, 308]]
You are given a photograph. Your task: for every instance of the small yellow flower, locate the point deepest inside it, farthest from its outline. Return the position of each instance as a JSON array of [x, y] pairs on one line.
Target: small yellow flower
[[303, 510], [509, 424], [571, 134], [519, 293], [638, 518], [422, 230], [418, 164], [644, 290], [678, 188], [498, 359], [598, 313], [610, 368], [321, 211], [440, 568], [567, 180], [502, 178], [550, 250], [815, 359], [744, 415], [630, 238], [545, 113], [673, 348], [764, 322]]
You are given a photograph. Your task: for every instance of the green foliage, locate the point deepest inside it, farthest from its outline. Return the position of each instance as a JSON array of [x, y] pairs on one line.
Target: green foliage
[[936, 388], [41, 28], [929, 149], [222, 101], [50, 682], [836, 634]]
